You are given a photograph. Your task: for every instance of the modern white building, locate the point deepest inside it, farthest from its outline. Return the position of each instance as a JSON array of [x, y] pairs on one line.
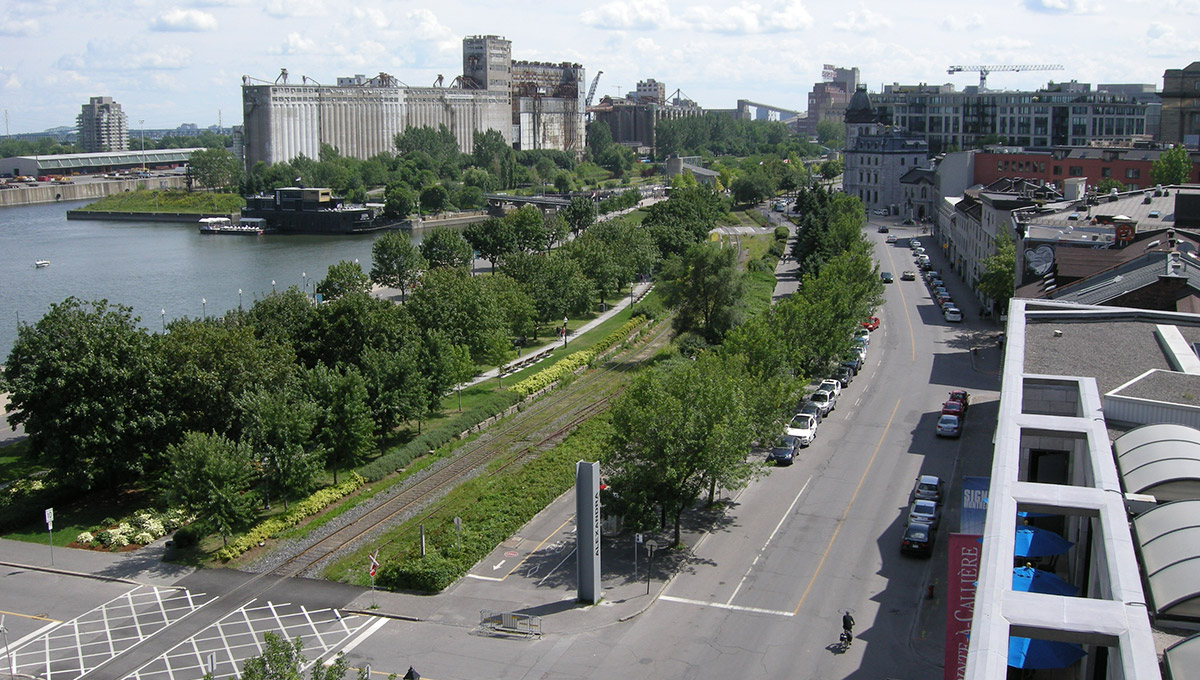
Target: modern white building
[[102, 126]]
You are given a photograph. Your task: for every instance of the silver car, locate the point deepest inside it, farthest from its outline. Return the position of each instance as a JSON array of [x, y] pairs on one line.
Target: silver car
[[824, 399], [949, 426], [924, 511]]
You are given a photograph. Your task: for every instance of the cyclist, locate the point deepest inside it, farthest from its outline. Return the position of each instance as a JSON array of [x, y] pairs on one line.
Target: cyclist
[[848, 625]]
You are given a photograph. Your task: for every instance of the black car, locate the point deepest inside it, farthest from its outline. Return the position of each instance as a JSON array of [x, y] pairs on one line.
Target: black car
[[886, 277], [918, 539], [843, 375], [784, 450], [811, 409], [883, 229], [852, 361]]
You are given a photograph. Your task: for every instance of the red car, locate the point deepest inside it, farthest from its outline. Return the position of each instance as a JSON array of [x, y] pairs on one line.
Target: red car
[[962, 397], [871, 323], [953, 408]]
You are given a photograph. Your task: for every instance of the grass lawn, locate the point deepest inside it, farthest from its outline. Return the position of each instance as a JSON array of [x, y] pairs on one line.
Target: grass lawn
[[15, 462], [171, 201], [81, 515]]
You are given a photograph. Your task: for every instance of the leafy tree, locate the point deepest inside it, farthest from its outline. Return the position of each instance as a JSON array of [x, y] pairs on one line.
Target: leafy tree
[[707, 288], [831, 133], [999, 272], [284, 660], [215, 169], [1174, 166], [344, 423], [209, 476], [492, 239], [562, 181], [600, 262], [467, 197], [284, 318], [278, 427], [445, 247], [580, 213], [399, 200], [616, 159], [342, 278], [480, 178], [453, 301], [751, 187], [86, 384], [545, 170], [555, 282], [831, 168], [599, 138], [528, 229], [1106, 185], [396, 262], [459, 368], [683, 219], [554, 230], [344, 327], [516, 305], [435, 198], [395, 382], [440, 146], [679, 429]]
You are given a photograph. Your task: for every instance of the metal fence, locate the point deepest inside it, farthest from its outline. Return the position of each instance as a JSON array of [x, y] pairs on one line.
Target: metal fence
[[510, 623]]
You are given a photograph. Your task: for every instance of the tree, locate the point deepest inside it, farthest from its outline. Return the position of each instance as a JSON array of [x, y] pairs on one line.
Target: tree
[[545, 170], [278, 427], [616, 159], [528, 229], [454, 302], [492, 239], [831, 133], [680, 428], [445, 247], [399, 200], [215, 169], [831, 168], [1174, 166], [706, 288], [580, 213], [86, 384], [396, 262], [285, 319], [751, 187], [459, 368], [999, 272], [395, 382], [555, 282], [209, 476], [562, 181], [600, 263], [342, 278], [1107, 185], [345, 426], [284, 660], [516, 305], [435, 198], [599, 137]]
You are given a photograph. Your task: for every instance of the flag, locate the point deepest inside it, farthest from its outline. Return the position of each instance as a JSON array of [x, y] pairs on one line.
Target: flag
[[374, 562]]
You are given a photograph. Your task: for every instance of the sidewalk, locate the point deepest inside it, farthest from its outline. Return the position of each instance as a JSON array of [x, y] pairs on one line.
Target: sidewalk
[[143, 565]]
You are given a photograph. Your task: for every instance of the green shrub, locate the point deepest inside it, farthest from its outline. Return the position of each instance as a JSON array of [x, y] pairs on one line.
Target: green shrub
[[781, 234], [399, 457], [23, 502], [185, 537], [428, 574], [547, 376], [300, 511]]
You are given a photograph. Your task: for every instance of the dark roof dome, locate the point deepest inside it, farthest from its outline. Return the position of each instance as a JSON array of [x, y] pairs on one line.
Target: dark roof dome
[[860, 109]]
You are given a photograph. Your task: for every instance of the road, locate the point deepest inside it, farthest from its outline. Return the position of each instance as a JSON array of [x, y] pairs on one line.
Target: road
[[760, 595]]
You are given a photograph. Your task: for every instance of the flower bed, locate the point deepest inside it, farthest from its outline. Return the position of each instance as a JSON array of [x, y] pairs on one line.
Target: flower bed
[[140, 528]]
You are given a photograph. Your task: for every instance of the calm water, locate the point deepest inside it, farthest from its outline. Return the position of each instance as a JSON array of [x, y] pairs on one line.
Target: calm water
[[149, 266]]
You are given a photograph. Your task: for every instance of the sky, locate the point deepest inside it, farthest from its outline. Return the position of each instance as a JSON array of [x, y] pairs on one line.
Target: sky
[[170, 62]]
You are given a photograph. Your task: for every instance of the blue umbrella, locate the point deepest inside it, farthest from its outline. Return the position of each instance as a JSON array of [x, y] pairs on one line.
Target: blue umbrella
[[1034, 653], [1030, 580], [1035, 542]]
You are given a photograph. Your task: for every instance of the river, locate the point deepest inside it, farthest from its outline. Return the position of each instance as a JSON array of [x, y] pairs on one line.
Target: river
[[160, 270]]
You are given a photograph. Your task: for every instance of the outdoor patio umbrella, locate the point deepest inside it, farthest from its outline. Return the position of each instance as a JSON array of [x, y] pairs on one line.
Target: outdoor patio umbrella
[[1034, 653], [1030, 580], [1035, 542]]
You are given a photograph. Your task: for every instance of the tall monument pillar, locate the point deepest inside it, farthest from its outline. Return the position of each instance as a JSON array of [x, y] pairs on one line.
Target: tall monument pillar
[[587, 532]]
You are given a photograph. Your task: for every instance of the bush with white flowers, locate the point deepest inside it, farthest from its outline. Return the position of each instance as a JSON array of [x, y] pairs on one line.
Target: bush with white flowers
[[86, 538]]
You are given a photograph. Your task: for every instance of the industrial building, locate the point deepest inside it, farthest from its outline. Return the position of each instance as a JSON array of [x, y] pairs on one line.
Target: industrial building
[[102, 126], [829, 98], [633, 121], [533, 105]]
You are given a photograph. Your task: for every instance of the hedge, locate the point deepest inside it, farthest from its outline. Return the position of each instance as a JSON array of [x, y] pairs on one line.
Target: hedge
[[299, 512], [398, 458], [548, 376]]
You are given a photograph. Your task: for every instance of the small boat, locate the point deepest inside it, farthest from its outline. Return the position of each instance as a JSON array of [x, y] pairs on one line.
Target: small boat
[[223, 225], [41, 263]]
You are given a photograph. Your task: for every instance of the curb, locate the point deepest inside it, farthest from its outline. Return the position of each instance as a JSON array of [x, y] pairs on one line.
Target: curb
[[67, 572]]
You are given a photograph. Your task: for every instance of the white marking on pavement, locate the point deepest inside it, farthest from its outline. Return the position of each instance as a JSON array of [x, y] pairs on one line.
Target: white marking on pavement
[[40, 631], [720, 605], [770, 538], [498, 565], [484, 578], [370, 630]]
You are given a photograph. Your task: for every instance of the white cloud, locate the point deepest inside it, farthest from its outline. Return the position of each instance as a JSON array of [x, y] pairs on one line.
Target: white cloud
[[19, 27], [10, 82], [283, 9], [958, 22], [747, 18], [1158, 29], [374, 17], [621, 15], [187, 20], [297, 44], [863, 20], [1064, 6]]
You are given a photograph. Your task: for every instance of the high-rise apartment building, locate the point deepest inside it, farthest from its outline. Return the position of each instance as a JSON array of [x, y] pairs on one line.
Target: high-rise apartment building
[[102, 126]]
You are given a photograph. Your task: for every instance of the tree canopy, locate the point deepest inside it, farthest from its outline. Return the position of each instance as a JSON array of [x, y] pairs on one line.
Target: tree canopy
[[1174, 166]]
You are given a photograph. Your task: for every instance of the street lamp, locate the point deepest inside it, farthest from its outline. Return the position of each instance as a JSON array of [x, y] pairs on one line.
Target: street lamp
[[164, 319], [239, 299], [204, 307], [564, 331], [304, 275], [141, 124], [272, 285]]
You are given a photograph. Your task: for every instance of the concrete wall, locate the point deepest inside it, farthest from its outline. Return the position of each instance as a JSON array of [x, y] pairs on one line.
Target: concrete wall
[[80, 191]]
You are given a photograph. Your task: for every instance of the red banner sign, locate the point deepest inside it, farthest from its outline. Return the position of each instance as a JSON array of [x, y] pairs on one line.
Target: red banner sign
[[962, 567]]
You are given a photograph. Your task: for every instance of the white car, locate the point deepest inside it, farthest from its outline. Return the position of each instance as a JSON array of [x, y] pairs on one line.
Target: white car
[[825, 399], [831, 385], [924, 511], [803, 427], [953, 314]]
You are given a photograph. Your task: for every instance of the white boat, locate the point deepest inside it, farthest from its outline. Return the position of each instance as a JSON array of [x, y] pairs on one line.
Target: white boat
[[223, 225], [41, 263]]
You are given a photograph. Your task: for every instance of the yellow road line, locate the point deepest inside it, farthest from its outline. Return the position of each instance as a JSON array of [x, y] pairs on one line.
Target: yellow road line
[[846, 512], [912, 338]]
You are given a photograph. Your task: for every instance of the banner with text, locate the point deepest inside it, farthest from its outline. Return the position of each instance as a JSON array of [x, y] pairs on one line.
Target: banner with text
[[974, 504], [962, 566]]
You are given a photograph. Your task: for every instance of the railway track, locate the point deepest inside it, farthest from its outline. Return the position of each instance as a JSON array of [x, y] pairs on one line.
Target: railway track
[[542, 424]]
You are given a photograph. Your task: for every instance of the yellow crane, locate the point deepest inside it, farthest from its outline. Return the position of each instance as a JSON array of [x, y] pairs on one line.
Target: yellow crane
[[985, 70]]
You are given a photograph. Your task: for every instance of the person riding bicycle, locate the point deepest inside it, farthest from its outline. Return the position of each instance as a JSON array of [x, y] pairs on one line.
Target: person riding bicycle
[[848, 624]]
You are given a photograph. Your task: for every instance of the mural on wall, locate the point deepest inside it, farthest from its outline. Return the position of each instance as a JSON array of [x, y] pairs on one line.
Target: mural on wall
[[1038, 261]]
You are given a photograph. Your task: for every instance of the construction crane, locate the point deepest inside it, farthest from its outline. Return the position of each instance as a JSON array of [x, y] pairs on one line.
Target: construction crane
[[985, 70], [592, 89]]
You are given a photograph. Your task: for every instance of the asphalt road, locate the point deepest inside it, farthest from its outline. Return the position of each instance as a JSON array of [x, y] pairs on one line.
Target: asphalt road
[[760, 596]]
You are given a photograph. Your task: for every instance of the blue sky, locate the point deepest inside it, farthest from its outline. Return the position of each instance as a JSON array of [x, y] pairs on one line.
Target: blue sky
[[171, 62]]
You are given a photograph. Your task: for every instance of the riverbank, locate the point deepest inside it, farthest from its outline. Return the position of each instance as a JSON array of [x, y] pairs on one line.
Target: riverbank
[[83, 190]]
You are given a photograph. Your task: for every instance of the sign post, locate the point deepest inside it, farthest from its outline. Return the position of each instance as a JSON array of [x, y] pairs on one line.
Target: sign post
[[637, 540], [50, 529], [651, 545], [374, 567]]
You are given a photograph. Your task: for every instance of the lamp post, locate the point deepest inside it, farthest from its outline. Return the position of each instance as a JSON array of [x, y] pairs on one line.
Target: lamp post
[[164, 319], [141, 124], [564, 331], [204, 307], [304, 276], [239, 299], [272, 285]]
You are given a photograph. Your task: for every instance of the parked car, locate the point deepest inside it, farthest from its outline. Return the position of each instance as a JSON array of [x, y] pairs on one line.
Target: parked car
[[953, 408], [803, 428], [908, 275], [914, 242], [932, 274], [871, 323], [844, 375], [961, 396], [825, 399], [918, 539], [783, 452], [928, 487], [936, 282], [940, 289], [886, 277], [941, 298], [853, 362], [810, 409], [949, 426], [953, 314], [924, 511], [880, 211], [831, 385], [863, 333]]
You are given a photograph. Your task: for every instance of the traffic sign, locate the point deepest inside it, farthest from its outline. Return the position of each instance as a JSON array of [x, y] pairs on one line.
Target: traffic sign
[[50, 518]]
